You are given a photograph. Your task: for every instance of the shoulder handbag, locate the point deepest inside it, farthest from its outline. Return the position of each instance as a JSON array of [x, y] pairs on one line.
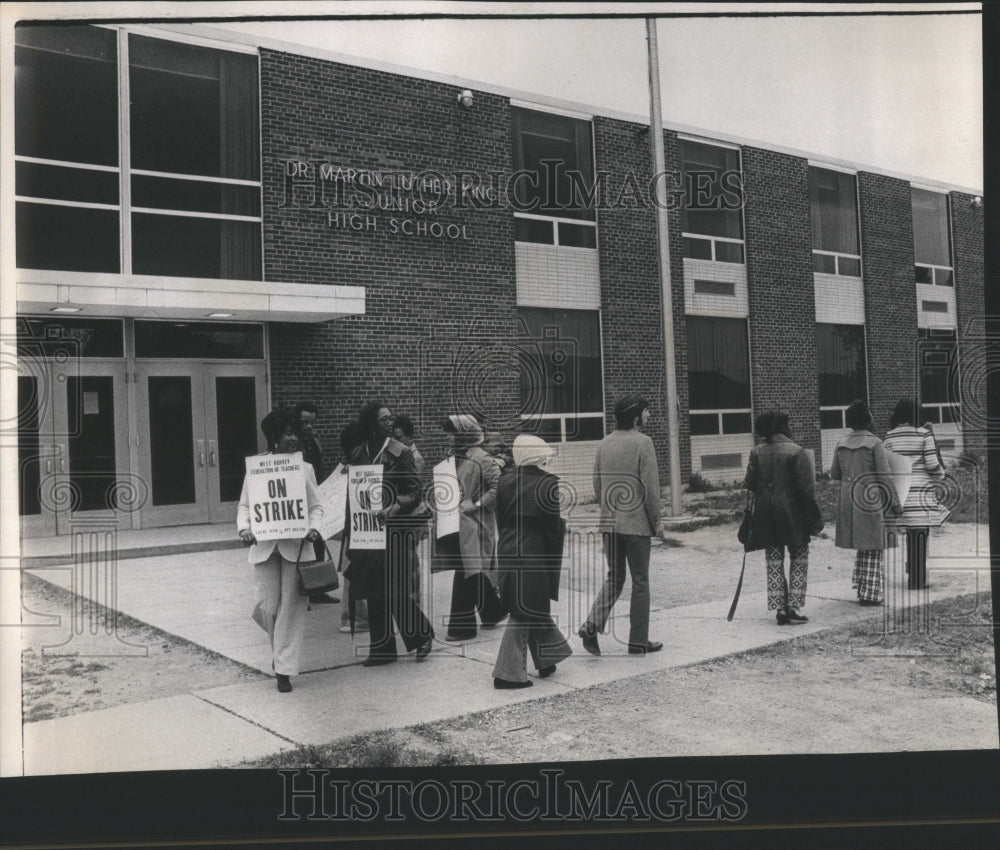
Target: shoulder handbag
[[316, 576]]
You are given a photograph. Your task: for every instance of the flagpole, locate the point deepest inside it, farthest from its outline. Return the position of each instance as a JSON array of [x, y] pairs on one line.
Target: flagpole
[[663, 245]]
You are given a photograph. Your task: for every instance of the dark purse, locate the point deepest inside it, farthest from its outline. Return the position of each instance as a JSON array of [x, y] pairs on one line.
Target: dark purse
[[316, 576]]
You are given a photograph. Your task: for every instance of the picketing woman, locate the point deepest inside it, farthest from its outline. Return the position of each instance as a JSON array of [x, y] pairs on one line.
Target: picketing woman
[[529, 553], [471, 552], [921, 507], [861, 465], [388, 578], [281, 610], [781, 478]]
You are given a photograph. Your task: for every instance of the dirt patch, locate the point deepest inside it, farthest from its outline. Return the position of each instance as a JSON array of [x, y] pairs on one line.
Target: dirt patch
[[113, 660]]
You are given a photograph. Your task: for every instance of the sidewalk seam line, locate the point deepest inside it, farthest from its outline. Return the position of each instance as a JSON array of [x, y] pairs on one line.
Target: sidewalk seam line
[[247, 720]]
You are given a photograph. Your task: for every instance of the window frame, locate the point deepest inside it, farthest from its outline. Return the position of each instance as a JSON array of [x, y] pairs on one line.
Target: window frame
[[563, 417], [703, 237], [124, 208], [719, 412], [841, 407], [936, 269], [837, 255], [517, 157]]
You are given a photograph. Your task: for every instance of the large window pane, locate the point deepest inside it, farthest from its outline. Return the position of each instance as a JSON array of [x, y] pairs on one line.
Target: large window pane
[[193, 110], [53, 336], [212, 340], [30, 476], [166, 193], [178, 246], [91, 413], [236, 420], [840, 351], [833, 203], [67, 238], [718, 363], [66, 184], [66, 93], [707, 207], [171, 440], [562, 363], [551, 146], [931, 244]]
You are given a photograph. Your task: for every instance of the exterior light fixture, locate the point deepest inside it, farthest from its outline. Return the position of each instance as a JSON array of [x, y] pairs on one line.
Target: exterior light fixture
[[465, 98], [65, 310], [221, 315], [976, 203]]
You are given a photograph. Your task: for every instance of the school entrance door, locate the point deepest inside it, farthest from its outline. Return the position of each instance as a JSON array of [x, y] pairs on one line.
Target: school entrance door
[[196, 424], [136, 423]]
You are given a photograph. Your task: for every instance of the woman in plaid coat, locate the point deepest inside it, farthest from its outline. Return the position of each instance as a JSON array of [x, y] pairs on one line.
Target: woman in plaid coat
[[861, 465]]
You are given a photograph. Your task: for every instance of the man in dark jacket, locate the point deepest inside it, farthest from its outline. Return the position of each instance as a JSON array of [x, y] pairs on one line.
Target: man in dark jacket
[[627, 487], [306, 414]]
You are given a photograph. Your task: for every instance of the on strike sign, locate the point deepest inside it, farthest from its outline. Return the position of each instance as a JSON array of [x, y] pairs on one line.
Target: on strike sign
[[364, 491], [276, 488]]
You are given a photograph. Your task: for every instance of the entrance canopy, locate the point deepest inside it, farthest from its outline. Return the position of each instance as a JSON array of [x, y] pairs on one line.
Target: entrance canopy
[[145, 296]]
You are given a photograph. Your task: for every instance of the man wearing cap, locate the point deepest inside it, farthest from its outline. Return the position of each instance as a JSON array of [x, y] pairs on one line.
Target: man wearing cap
[[627, 487]]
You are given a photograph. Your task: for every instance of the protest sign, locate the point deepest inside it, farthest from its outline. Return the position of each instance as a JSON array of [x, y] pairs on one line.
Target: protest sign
[[364, 489], [333, 498], [276, 489], [447, 497]]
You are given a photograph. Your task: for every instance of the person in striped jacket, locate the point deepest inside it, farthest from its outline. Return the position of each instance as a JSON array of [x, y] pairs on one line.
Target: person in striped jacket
[[921, 509]]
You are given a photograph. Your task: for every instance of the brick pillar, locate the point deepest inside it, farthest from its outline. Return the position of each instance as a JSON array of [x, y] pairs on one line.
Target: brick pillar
[[890, 293], [631, 323], [780, 288]]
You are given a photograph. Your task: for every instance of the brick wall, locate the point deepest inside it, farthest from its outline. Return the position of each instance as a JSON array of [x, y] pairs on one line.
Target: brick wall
[[429, 301], [631, 313], [781, 293], [890, 293], [967, 233]]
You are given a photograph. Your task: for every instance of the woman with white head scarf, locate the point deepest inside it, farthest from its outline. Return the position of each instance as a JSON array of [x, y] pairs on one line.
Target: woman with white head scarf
[[471, 552], [530, 559]]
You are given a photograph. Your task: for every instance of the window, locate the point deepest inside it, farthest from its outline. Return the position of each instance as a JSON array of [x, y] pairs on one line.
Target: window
[[553, 192], [939, 384], [215, 340], [66, 143], [562, 394], [191, 186], [718, 376], [712, 218], [931, 238], [840, 355], [833, 201]]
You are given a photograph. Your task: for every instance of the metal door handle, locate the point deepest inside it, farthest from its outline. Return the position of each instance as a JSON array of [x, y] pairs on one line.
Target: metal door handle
[[201, 452], [48, 467], [211, 452]]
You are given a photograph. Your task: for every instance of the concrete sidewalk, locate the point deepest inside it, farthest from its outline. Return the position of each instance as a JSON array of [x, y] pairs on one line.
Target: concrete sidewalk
[[207, 597]]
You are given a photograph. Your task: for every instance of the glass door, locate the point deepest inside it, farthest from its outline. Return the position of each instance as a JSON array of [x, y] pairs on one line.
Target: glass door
[[235, 402], [72, 446], [196, 422], [36, 450]]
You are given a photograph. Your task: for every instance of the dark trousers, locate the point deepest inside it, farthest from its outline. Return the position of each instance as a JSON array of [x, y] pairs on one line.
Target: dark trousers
[[468, 595], [620, 549], [916, 557], [392, 595]]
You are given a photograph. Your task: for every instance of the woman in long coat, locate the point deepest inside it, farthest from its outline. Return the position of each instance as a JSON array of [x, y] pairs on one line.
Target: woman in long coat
[[530, 559], [921, 508], [861, 465], [785, 513], [388, 577], [472, 559]]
